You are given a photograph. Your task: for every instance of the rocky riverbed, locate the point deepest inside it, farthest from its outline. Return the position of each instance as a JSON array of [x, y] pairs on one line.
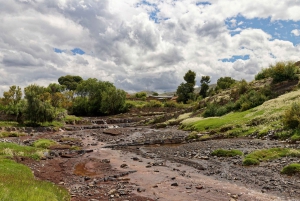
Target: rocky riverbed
[[142, 163]]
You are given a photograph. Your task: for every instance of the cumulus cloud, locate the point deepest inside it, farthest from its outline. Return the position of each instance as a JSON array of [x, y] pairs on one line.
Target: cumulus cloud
[[296, 32], [138, 44]]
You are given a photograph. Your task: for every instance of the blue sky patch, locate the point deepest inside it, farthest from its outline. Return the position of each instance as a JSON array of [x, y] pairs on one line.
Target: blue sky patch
[[78, 51], [57, 50], [203, 3], [235, 57], [153, 12], [279, 29]]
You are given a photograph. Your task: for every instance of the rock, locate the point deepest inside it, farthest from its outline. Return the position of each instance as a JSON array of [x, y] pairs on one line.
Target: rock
[[105, 161], [124, 166], [174, 184], [139, 189], [199, 187]]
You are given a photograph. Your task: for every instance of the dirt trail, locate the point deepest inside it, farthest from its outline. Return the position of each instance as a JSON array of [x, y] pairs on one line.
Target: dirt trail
[[164, 173]]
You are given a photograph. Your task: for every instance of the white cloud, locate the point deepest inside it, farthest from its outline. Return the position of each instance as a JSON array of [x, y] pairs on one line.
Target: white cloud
[[124, 46], [296, 32]]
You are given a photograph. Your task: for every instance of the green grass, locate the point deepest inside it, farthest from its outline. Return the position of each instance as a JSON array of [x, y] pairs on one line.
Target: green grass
[[261, 119], [217, 122], [11, 134], [250, 161], [43, 143], [226, 153], [11, 149], [271, 154], [71, 118], [291, 169], [9, 124], [56, 124], [18, 183]]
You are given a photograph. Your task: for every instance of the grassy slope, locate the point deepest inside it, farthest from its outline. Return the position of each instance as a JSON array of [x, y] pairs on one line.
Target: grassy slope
[[17, 181], [261, 119]]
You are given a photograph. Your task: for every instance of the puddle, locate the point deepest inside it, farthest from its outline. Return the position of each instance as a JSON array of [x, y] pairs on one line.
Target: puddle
[[82, 169]]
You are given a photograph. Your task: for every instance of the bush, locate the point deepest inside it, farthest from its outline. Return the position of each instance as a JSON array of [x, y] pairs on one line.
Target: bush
[[154, 103], [250, 161], [291, 169], [170, 104], [291, 117], [226, 153], [281, 71], [44, 143]]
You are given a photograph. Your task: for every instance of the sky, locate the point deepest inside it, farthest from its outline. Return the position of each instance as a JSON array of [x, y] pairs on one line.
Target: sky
[[144, 44]]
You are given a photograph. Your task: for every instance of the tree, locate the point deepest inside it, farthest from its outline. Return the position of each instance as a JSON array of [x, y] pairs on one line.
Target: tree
[[205, 80], [97, 97], [38, 104], [185, 91], [225, 82], [190, 77], [70, 81], [113, 101], [12, 96]]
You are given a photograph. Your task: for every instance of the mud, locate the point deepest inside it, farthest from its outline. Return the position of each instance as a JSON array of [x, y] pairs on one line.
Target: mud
[[142, 163]]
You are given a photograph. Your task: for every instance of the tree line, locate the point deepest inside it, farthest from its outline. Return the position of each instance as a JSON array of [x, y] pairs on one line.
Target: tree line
[[72, 95]]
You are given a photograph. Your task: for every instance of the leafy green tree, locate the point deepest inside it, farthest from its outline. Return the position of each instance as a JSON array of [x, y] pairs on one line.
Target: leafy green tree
[[70, 81], [113, 101], [205, 80], [141, 95], [38, 107], [97, 97], [185, 91], [12, 96], [225, 82], [281, 71], [190, 77]]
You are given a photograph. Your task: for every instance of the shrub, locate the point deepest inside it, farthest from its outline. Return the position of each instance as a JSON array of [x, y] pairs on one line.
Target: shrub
[[170, 104], [281, 71], [250, 161], [153, 103], [43, 143], [226, 153], [291, 117], [291, 169]]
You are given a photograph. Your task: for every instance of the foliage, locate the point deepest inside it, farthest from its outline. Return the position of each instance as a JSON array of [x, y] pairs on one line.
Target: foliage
[[38, 108], [216, 110], [155, 94], [281, 71], [97, 98], [252, 99], [185, 91], [291, 117], [113, 101], [141, 95], [250, 161], [70, 82], [11, 149], [18, 183], [43, 143], [154, 103], [291, 169], [205, 80], [10, 134], [272, 153], [226, 153], [190, 77], [171, 104], [225, 83]]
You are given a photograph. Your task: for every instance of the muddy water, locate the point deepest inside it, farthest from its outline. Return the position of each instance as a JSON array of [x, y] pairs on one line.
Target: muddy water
[[168, 181]]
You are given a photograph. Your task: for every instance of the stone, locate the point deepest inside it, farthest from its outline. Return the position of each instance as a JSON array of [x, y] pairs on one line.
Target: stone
[[174, 184]]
